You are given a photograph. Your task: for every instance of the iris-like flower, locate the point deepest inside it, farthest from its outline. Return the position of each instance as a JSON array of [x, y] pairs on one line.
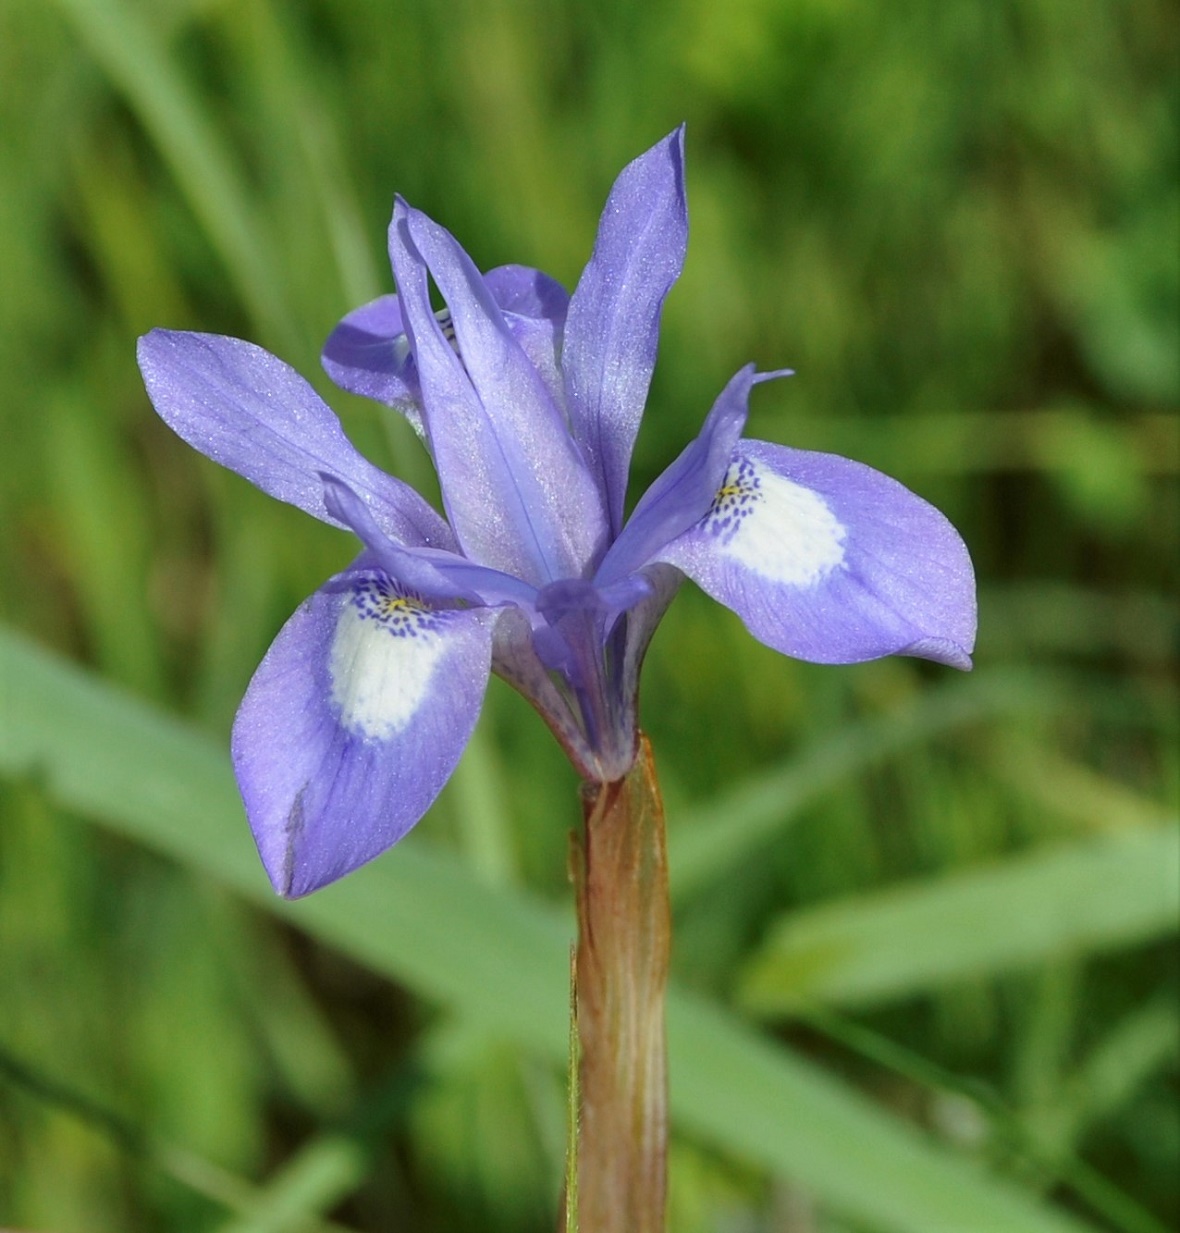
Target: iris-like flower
[[528, 401]]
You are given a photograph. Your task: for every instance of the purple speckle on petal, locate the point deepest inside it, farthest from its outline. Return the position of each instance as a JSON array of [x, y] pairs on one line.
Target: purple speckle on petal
[[736, 499], [403, 613]]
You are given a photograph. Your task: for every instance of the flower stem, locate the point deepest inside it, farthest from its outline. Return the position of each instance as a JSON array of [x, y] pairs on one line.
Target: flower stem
[[620, 874]]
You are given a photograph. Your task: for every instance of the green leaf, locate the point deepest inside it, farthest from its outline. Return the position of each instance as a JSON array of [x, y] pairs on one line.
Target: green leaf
[[1067, 900], [499, 959]]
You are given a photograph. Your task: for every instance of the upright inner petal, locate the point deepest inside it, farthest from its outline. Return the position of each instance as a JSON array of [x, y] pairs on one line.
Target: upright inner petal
[[386, 648], [516, 487], [613, 323], [782, 531]]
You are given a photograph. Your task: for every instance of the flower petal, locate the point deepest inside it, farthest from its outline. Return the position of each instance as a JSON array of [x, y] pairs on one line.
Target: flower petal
[[432, 573], [534, 307], [368, 354], [612, 328], [246, 409], [517, 492], [682, 495], [828, 560], [352, 724], [521, 291]]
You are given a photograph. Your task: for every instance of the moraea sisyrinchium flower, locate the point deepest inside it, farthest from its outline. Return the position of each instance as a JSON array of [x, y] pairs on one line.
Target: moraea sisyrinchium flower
[[529, 401]]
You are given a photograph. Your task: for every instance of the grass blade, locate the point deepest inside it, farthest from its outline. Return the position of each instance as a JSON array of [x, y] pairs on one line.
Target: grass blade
[[133, 57], [1068, 900]]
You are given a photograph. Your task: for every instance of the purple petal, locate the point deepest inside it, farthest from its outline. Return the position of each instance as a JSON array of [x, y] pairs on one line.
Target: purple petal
[[681, 496], [353, 722], [830, 561], [434, 574], [528, 293], [368, 354], [612, 328], [246, 409], [517, 492], [534, 307]]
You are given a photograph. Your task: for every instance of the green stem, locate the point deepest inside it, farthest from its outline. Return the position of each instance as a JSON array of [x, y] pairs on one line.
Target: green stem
[[620, 874]]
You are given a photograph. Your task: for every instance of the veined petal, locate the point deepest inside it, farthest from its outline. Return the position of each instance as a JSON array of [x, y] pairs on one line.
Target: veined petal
[[246, 409], [612, 328], [352, 724], [509, 448], [828, 560], [482, 503]]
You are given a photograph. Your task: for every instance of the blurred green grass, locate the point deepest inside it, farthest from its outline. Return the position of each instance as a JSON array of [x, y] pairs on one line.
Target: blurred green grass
[[958, 222]]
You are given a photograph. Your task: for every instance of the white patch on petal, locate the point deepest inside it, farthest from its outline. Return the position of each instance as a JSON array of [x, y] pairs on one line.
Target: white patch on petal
[[384, 653], [778, 529]]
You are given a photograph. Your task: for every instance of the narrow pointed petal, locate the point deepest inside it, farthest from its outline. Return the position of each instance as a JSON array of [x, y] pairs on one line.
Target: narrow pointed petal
[[560, 501], [828, 560], [352, 724], [681, 496], [246, 409], [517, 492], [612, 328]]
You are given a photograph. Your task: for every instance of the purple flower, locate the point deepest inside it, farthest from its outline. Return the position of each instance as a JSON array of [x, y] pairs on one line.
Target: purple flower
[[529, 401]]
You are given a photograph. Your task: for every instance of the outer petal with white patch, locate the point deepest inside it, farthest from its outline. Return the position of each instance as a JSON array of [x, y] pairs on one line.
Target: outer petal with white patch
[[828, 560], [353, 722]]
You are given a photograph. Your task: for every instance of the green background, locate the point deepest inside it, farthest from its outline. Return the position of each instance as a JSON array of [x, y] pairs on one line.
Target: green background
[[925, 923]]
